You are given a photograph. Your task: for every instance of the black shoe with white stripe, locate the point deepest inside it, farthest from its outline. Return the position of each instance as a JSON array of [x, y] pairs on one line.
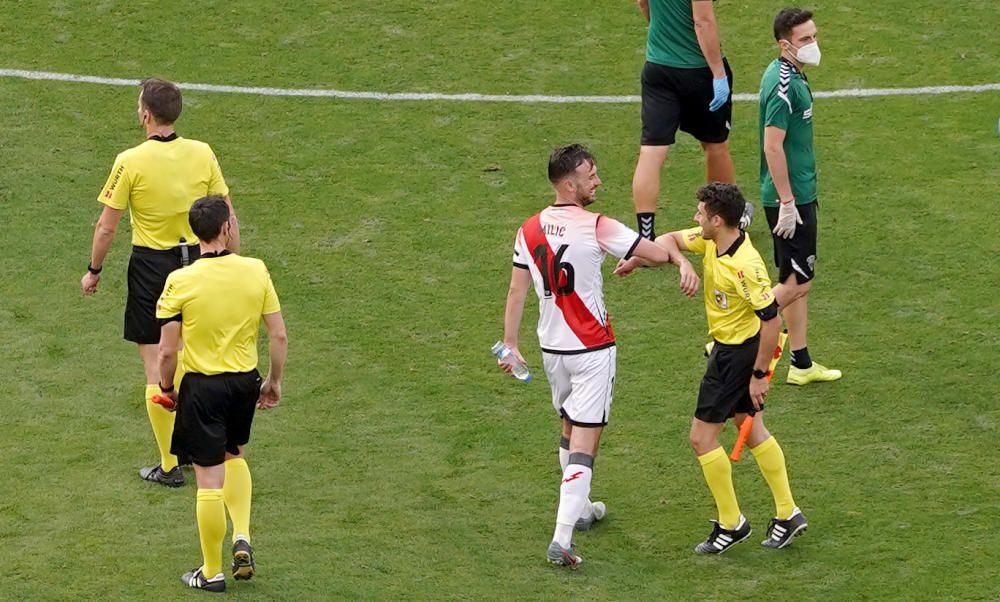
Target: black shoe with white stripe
[[197, 580], [172, 478], [722, 539], [780, 533]]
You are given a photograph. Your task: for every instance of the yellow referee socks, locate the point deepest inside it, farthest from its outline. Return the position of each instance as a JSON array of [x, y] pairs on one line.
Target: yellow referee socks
[[719, 476], [162, 422], [237, 492], [211, 529], [771, 461]]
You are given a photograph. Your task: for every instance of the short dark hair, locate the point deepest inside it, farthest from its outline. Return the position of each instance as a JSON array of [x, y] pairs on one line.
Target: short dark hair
[[162, 99], [207, 216], [787, 20], [564, 160], [724, 200]]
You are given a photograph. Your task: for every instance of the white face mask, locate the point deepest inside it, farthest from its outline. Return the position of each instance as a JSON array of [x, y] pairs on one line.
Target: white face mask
[[808, 54]]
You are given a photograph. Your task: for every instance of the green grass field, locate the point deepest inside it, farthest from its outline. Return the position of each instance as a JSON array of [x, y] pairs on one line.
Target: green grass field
[[402, 464]]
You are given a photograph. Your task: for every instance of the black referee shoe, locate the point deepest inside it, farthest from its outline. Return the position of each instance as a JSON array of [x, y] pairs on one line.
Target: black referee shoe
[[196, 579], [243, 563], [780, 533], [722, 539], [156, 474]]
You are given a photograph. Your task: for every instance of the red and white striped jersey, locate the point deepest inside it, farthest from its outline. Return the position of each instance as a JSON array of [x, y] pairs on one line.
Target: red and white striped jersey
[[563, 247]]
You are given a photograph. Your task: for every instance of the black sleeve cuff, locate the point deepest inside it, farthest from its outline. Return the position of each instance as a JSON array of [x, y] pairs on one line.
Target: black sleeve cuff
[[520, 265], [632, 248], [163, 321], [768, 313]]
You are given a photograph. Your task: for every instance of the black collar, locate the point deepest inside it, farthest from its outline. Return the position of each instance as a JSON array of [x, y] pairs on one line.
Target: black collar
[[731, 251], [565, 205], [158, 138], [221, 253]]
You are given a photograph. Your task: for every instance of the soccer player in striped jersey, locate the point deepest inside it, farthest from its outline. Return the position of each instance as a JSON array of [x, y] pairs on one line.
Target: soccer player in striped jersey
[[559, 251]]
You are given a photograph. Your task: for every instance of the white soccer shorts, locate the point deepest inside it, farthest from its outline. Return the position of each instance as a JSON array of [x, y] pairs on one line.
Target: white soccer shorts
[[582, 385]]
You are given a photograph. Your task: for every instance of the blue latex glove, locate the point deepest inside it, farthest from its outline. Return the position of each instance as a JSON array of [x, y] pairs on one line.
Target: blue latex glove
[[720, 86]]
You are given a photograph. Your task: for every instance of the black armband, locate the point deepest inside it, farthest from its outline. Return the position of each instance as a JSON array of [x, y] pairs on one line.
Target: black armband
[[768, 313], [164, 321]]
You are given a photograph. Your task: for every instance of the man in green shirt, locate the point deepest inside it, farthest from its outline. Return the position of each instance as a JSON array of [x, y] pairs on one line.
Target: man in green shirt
[[788, 180], [686, 84]]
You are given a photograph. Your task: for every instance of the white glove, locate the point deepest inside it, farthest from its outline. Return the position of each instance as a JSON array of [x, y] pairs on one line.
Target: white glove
[[788, 218]]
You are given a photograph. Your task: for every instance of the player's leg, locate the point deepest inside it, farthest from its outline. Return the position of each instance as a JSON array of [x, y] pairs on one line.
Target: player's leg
[[592, 511], [167, 472], [724, 390], [646, 187], [587, 409], [201, 432], [238, 491], [147, 272], [789, 522], [710, 128], [211, 514], [718, 163], [660, 119], [796, 260], [574, 492], [717, 469]]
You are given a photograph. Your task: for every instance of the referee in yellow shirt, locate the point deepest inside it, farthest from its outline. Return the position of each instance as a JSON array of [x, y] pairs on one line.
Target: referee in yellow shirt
[[218, 303], [743, 320], [157, 182]]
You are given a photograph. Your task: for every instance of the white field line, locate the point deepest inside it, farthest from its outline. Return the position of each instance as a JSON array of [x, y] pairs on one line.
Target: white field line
[[473, 97]]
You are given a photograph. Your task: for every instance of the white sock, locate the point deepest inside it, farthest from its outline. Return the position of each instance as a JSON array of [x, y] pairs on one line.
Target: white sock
[[588, 510], [572, 500]]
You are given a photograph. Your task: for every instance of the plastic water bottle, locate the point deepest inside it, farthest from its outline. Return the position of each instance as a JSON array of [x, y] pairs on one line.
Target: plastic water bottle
[[506, 356]]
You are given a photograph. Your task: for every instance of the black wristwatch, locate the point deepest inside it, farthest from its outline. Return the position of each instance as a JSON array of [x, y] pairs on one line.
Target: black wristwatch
[[760, 373], [94, 270], [165, 389]]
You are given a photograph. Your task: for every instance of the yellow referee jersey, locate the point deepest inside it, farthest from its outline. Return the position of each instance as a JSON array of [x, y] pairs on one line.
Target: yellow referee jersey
[[219, 300], [157, 182], [736, 284]]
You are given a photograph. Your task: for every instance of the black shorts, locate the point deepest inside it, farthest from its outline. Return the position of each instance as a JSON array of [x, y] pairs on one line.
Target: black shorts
[[214, 415], [147, 273], [673, 97], [725, 388], [796, 255]]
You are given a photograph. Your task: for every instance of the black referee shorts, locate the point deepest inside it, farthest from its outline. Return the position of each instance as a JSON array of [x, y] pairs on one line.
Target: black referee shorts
[[725, 388], [147, 273], [675, 98], [214, 415], [796, 255]]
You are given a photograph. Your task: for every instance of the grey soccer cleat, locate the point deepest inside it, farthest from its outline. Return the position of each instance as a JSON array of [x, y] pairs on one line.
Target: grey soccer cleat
[[599, 510], [563, 556], [156, 474], [722, 539], [780, 533], [197, 580], [243, 564]]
